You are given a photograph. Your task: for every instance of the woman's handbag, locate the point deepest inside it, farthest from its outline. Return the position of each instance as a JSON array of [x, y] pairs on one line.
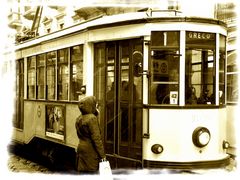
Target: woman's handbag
[[105, 169]]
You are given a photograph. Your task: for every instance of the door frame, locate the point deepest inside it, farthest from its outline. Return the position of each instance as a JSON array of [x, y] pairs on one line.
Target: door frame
[[117, 107]]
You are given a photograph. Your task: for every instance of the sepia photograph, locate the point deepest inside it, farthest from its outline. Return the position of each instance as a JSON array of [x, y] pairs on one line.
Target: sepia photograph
[[119, 89]]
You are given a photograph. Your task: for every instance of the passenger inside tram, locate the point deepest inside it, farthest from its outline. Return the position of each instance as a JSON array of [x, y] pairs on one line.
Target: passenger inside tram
[[191, 97], [199, 77]]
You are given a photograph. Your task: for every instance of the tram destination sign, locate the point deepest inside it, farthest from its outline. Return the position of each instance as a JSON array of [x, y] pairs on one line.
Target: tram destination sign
[[193, 37]]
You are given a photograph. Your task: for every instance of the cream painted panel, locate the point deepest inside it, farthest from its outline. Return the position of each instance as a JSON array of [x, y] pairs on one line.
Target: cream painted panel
[[40, 117], [72, 112], [68, 41], [173, 129], [232, 123], [31, 51], [29, 120], [120, 32]]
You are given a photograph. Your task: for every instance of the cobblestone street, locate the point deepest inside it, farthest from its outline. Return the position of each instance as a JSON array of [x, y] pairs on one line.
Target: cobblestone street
[[19, 164]]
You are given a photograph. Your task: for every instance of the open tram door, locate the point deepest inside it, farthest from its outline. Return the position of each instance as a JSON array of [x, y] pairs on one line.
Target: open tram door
[[119, 94]]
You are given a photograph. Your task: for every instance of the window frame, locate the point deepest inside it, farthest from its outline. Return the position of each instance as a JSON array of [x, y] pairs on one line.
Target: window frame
[[165, 46]]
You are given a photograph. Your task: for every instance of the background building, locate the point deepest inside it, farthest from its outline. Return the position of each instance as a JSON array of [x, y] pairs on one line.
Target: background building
[[31, 20]]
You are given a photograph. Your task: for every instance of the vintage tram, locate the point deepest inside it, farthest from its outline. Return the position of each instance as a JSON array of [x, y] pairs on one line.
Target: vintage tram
[[160, 83]]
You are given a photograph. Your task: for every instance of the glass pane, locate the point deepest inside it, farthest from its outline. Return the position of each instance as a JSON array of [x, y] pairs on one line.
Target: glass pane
[[51, 66], [76, 67], [40, 76], [124, 91], [165, 77], [31, 81], [110, 95], [222, 59], [99, 81], [199, 77], [137, 98], [63, 75], [232, 87], [162, 38], [137, 80]]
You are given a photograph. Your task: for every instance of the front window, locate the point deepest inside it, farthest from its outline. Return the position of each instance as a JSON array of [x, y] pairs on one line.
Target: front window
[[199, 68], [199, 77], [164, 88]]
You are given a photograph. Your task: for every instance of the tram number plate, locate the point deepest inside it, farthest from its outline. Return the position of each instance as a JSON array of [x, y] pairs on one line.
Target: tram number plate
[[173, 97]]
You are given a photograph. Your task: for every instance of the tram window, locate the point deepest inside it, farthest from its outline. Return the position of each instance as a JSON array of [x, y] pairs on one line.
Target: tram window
[[165, 77], [51, 66], [62, 75], [199, 77], [40, 76], [222, 59], [76, 68], [232, 84], [31, 79], [200, 68]]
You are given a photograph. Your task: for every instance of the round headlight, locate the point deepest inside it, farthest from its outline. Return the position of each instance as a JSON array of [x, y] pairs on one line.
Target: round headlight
[[157, 148], [201, 136]]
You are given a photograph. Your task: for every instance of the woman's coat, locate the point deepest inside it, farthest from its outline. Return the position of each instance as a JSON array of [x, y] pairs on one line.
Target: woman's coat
[[90, 148]]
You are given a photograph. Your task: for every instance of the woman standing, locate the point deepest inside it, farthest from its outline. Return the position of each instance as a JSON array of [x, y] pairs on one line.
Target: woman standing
[[90, 148]]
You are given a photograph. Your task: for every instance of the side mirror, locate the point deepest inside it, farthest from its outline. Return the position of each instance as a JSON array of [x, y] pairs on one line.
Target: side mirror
[[138, 69], [137, 60], [83, 89]]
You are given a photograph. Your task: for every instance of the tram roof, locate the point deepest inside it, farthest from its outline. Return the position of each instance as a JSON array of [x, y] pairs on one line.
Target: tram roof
[[113, 21]]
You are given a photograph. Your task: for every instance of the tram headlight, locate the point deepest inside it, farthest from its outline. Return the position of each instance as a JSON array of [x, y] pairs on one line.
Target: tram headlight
[[201, 136], [157, 148], [226, 144]]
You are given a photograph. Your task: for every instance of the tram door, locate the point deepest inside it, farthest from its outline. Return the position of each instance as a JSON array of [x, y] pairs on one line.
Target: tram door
[[123, 104]]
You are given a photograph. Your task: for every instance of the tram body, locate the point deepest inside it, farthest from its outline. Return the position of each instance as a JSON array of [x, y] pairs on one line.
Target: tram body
[[124, 61]]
